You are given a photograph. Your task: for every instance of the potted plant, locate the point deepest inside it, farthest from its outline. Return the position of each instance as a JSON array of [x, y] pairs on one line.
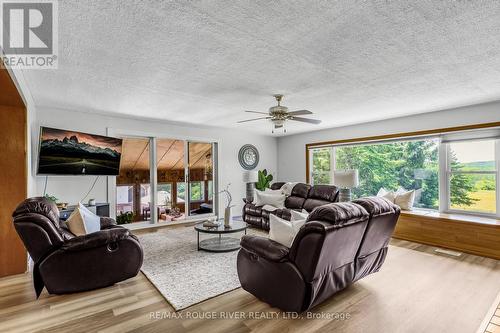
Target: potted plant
[[125, 218], [60, 205], [264, 180]]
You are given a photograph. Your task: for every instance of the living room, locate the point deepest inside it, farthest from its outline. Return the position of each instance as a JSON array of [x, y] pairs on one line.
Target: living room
[[231, 166]]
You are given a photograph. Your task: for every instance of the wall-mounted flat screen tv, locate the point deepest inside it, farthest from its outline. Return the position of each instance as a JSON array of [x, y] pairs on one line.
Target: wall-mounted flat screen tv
[[64, 152]]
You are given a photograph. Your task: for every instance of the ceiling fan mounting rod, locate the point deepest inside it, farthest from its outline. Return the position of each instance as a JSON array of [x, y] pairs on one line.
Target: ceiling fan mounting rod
[[278, 97]]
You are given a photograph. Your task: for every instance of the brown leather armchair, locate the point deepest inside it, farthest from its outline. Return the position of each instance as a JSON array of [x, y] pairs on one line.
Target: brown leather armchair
[[332, 250], [65, 263]]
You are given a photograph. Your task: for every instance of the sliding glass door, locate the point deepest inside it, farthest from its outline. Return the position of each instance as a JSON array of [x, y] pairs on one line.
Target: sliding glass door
[[170, 168], [133, 184], [200, 171], [183, 185]]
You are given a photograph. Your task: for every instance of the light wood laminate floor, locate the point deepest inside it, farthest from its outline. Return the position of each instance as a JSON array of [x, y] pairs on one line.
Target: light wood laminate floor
[[416, 291], [492, 321]]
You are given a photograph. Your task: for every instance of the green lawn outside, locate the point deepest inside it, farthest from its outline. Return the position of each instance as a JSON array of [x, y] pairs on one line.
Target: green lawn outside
[[486, 202]]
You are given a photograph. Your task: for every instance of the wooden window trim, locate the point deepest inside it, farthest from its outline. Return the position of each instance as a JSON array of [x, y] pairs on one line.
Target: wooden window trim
[[394, 136]]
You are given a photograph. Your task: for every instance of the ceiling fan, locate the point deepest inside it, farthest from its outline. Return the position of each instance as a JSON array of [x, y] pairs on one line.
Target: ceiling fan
[[279, 114]]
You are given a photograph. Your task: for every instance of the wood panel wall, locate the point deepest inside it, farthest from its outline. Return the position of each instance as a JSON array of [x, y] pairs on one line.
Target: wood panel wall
[[13, 174], [474, 235]]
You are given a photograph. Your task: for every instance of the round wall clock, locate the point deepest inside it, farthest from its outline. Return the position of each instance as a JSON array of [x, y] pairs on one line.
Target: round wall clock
[[248, 157]]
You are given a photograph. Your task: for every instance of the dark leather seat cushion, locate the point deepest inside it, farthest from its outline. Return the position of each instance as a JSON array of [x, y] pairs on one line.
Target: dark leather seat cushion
[[339, 214], [294, 202], [253, 220], [264, 247], [300, 190], [323, 192], [310, 204], [39, 205], [377, 206], [96, 239], [251, 209]]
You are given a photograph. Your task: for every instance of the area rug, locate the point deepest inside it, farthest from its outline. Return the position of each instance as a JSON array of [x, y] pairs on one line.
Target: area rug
[[181, 273]]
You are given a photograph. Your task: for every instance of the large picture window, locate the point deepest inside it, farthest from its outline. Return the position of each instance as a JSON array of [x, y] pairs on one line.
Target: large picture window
[[472, 174], [323, 166], [408, 165], [469, 171]]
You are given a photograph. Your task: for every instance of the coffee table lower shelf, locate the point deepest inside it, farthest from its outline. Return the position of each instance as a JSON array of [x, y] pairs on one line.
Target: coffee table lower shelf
[[219, 244], [222, 242]]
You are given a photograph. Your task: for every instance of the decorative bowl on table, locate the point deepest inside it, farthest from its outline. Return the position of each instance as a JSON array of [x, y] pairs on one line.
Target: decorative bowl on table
[[211, 222]]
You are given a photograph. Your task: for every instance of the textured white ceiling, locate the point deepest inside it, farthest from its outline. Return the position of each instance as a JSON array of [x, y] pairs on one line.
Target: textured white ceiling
[[204, 62]]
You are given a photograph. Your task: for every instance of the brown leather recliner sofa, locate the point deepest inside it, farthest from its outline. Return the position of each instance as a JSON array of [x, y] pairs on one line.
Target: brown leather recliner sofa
[[65, 263], [303, 196], [339, 244]]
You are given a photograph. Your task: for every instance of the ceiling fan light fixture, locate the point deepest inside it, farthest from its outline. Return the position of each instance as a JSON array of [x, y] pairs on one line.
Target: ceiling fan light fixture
[[279, 115], [278, 122]]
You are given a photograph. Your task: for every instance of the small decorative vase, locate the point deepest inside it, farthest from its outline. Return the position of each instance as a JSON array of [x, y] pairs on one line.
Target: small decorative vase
[[227, 217]]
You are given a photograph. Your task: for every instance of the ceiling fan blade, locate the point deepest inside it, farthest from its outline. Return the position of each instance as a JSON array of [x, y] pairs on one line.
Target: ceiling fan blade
[[306, 120], [244, 121], [257, 112], [299, 112]]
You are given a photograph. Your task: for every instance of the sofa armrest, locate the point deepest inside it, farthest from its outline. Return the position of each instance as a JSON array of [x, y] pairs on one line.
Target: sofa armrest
[[107, 222], [265, 248], [96, 239]]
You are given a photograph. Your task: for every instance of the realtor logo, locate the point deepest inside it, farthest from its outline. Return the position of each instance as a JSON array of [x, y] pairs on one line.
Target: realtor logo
[[29, 33]]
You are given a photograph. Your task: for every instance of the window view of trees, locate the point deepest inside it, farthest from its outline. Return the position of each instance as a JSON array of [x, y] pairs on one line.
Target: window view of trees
[[406, 164], [181, 192], [415, 165], [197, 190], [164, 192], [473, 176], [321, 166]]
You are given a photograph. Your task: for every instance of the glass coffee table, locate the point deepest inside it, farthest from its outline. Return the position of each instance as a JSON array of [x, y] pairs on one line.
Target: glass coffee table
[[220, 243]]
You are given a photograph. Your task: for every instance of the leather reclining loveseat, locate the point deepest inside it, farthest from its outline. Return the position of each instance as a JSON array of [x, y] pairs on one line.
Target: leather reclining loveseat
[[338, 245], [303, 196], [65, 263]]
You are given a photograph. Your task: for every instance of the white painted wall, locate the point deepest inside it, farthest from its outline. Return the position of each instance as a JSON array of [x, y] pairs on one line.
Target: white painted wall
[[291, 149], [72, 188]]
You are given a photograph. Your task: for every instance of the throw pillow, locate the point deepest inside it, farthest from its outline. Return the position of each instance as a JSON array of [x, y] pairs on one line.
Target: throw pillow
[[381, 192], [264, 198], [389, 195], [287, 188], [283, 231], [268, 190], [297, 216], [269, 208], [82, 221], [75, 223], [405, 199]]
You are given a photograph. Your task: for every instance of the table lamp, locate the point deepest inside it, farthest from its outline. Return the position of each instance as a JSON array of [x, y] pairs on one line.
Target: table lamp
[[345, 180], [250, 178]]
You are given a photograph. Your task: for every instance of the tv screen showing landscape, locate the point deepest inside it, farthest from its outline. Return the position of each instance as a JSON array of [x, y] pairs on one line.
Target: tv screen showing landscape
[[64, 152]]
